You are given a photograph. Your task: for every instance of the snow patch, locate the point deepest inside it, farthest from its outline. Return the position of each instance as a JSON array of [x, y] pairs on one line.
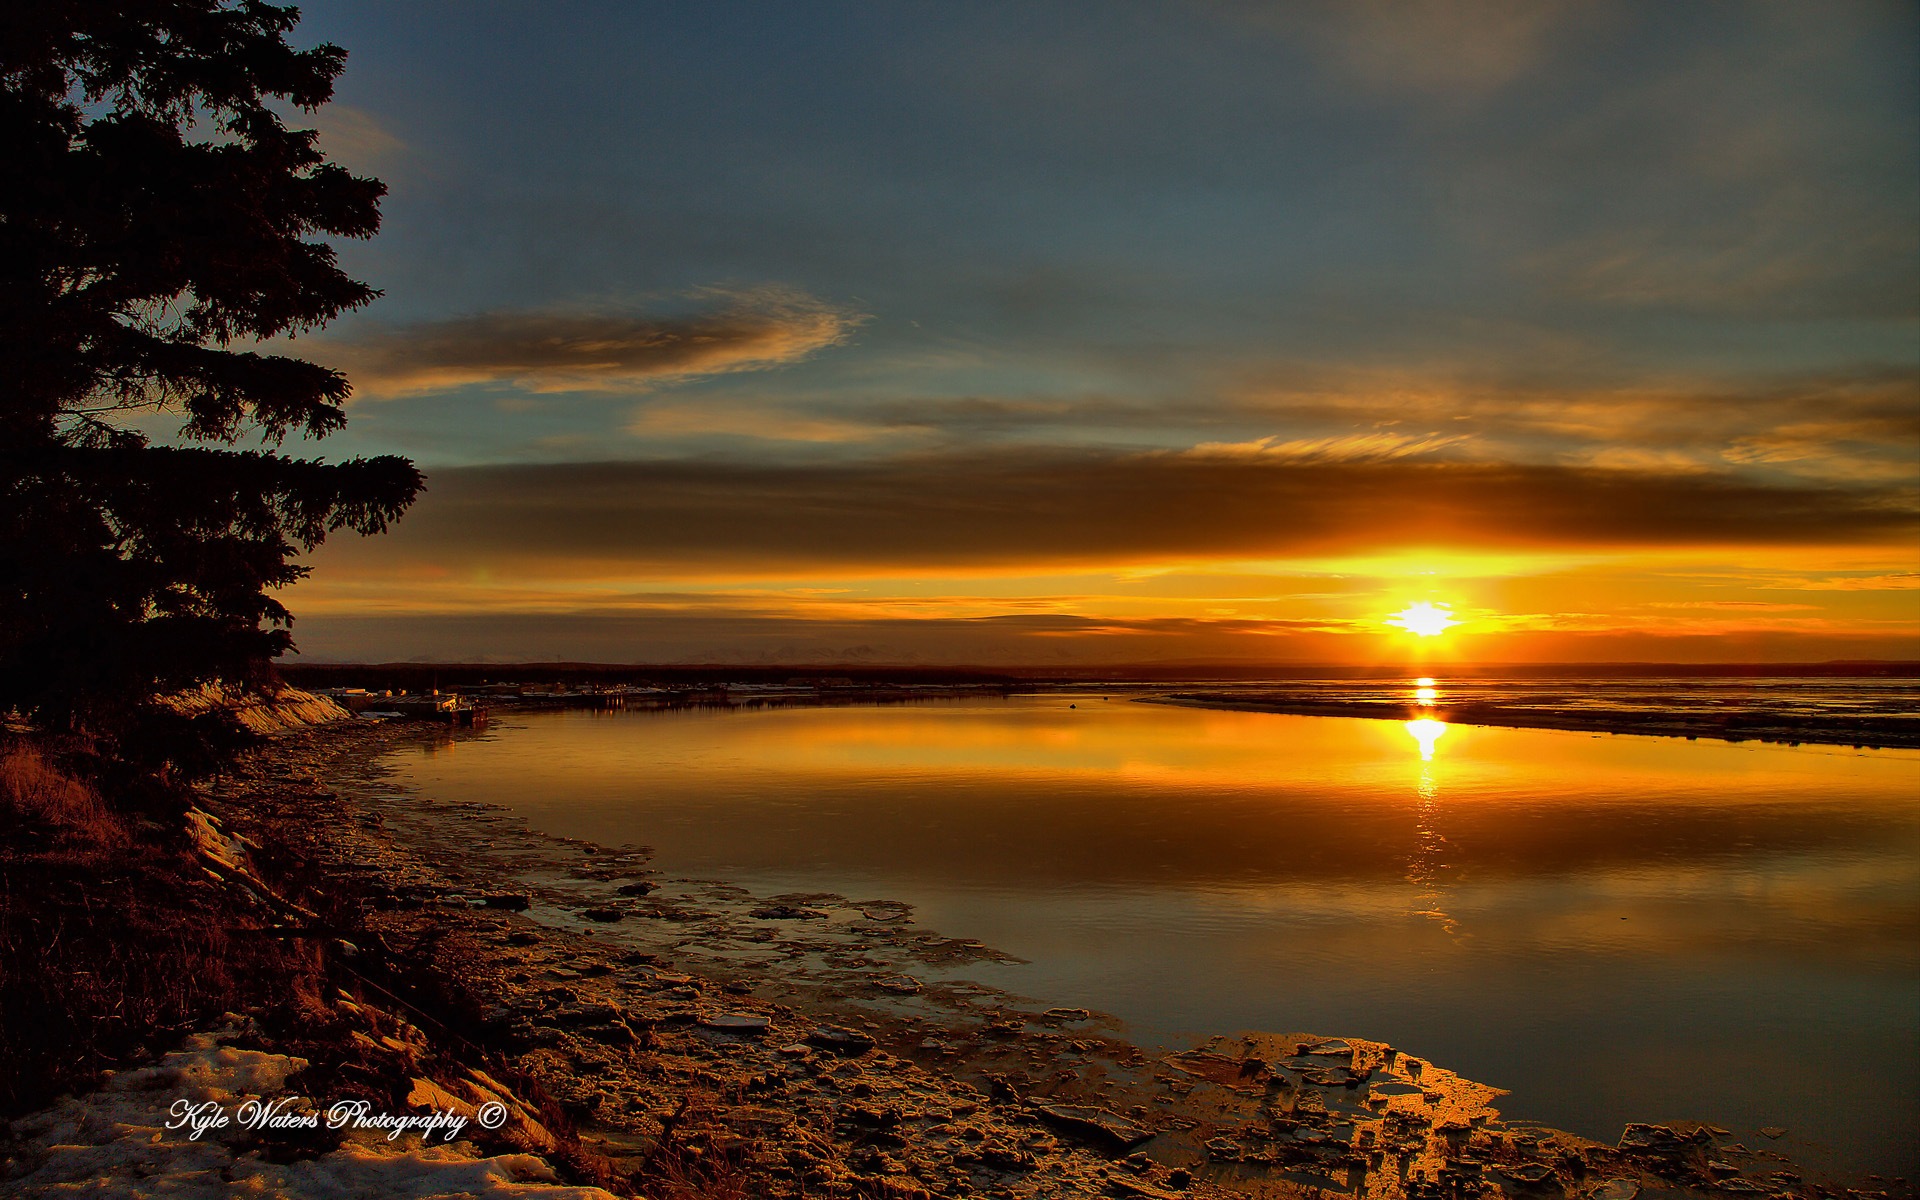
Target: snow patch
[[276, 710], [230, 852]]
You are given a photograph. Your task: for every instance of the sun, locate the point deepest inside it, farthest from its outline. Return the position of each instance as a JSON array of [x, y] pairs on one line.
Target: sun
[[1424, 619]]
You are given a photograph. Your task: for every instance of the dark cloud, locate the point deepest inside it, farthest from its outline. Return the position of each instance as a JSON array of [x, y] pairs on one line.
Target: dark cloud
[[695, 636], [1057, 510], [754, 638], [560, 351]]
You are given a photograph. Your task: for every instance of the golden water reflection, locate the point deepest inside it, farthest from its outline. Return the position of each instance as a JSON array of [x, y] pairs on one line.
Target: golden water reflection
[[1427, 732], [1644, 916], [1121, 794], [1427, 865]]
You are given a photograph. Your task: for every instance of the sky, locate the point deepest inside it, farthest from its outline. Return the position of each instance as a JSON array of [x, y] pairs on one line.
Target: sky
[[1091, 333]]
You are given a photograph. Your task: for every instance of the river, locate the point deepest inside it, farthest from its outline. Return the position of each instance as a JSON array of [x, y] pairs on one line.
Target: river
[[1614, 928]]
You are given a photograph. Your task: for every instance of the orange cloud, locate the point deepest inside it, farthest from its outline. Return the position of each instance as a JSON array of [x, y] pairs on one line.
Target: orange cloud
[[1355, 447], [746, 421], [590, 351], [1903, 581], [1849, 425]]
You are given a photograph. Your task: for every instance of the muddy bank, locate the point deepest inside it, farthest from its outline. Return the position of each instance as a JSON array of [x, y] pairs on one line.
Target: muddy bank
[[1859, 732], [827, 1045]]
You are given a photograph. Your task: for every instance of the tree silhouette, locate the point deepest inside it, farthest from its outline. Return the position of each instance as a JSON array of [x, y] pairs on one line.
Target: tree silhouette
[[158, 217]]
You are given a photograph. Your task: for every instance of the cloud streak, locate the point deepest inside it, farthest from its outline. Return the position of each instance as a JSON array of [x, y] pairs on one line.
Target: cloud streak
[[1841, 425], [672, 421], [693, 637], [575, 351], [1008, 512], [1357, 447]]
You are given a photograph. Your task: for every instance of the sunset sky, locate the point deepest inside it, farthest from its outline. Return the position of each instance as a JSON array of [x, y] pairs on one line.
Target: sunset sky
[[1056, 333]]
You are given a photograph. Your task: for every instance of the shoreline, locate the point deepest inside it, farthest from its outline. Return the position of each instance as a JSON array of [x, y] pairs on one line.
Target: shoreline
[[677, 1029], [850, 970], [1855, 733]]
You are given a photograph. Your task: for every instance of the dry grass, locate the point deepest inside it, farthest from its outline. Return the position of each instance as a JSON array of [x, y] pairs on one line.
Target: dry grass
[[111, 937], [37, 797], [688, 1162], [114, 942]]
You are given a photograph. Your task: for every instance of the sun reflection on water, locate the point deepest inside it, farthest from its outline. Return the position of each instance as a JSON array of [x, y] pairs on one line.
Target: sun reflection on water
[[1425, 867], [1427, 732]]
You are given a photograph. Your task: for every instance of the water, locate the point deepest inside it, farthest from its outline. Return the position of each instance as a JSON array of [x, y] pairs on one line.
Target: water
[[1614, 928], [1889, 700]]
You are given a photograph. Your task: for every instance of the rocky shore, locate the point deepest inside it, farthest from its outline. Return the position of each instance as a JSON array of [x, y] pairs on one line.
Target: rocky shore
[[645, 1034]]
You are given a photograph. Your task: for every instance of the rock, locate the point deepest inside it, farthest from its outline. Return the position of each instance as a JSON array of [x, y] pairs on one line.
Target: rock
[[742, 1023], [841, 1040], [634, 889], [587, 1014], [1006, 1158], [613, 1033], [1223, 1149], [786, 912], [1067, 1014], [1531, 1174], [904, 985], [1657, 1138], [1615, 1189], [1773, 1131], [1097, 1125], [606, 916], [511, 901], [875, 1116]]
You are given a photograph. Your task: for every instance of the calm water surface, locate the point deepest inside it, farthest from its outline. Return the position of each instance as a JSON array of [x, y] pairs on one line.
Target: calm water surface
[[1614, 928]]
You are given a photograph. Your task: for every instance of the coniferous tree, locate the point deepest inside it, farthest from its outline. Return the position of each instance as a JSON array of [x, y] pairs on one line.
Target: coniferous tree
[[158, 219]]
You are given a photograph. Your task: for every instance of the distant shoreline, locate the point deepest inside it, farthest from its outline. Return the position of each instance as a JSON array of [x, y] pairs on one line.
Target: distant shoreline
[[1861, 733], [421, 675]]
